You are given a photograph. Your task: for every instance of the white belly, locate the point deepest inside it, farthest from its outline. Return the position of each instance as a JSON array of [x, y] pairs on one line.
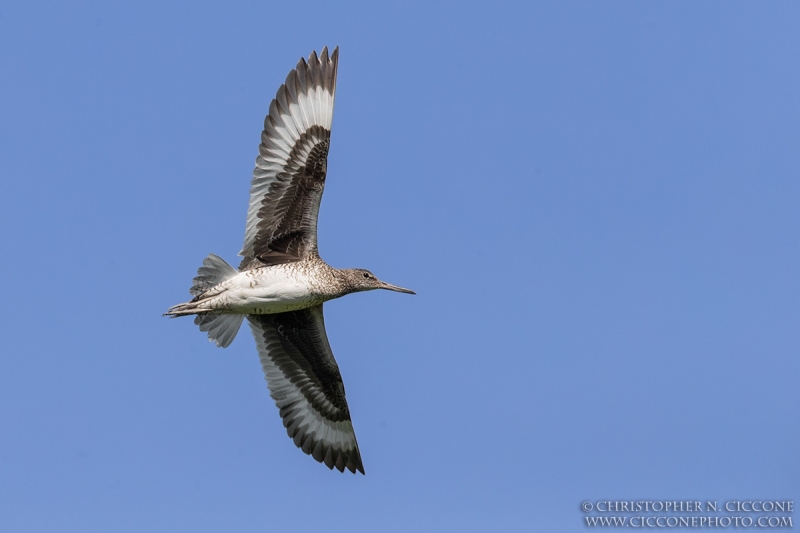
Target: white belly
[[264, 291]]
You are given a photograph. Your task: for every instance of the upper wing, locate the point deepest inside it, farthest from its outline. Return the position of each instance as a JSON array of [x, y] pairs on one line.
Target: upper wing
[[304, 381], [289, 177]]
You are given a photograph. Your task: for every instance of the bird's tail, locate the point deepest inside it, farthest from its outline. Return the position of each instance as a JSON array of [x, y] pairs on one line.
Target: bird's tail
[[221, 327], [214, 271]]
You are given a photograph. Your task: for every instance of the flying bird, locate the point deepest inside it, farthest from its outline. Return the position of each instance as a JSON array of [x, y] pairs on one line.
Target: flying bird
[[282, 283]]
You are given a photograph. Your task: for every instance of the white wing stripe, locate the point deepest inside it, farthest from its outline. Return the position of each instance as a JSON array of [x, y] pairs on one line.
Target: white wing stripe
[[285, 110], [279, 126]]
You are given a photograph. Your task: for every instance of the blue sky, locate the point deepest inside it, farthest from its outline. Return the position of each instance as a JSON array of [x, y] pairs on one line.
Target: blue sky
[[596, 202]]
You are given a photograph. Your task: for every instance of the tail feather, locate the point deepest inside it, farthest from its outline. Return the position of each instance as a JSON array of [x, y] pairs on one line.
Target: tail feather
[[222, 328], [213, 272]]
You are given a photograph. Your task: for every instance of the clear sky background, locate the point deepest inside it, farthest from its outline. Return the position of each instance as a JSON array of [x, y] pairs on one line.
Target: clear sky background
[[596, 202]]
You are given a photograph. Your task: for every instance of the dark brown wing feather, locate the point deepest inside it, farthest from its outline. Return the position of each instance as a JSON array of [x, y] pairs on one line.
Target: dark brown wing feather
[[289, 177]]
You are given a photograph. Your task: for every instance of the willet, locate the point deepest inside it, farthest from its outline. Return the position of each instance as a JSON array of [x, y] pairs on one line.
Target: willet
[[281, 283]]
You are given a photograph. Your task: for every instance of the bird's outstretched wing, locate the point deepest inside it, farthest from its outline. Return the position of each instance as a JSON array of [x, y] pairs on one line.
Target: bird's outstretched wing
[[289, 177], [304, 381]]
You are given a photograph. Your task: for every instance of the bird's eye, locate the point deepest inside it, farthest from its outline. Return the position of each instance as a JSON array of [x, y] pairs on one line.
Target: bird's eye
[[366, 275]]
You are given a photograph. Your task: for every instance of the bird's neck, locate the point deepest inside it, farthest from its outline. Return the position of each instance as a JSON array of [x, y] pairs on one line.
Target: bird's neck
[[330, 282]]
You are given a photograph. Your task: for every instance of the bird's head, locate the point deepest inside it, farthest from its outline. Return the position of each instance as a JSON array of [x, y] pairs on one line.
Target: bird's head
[[358, 280]]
